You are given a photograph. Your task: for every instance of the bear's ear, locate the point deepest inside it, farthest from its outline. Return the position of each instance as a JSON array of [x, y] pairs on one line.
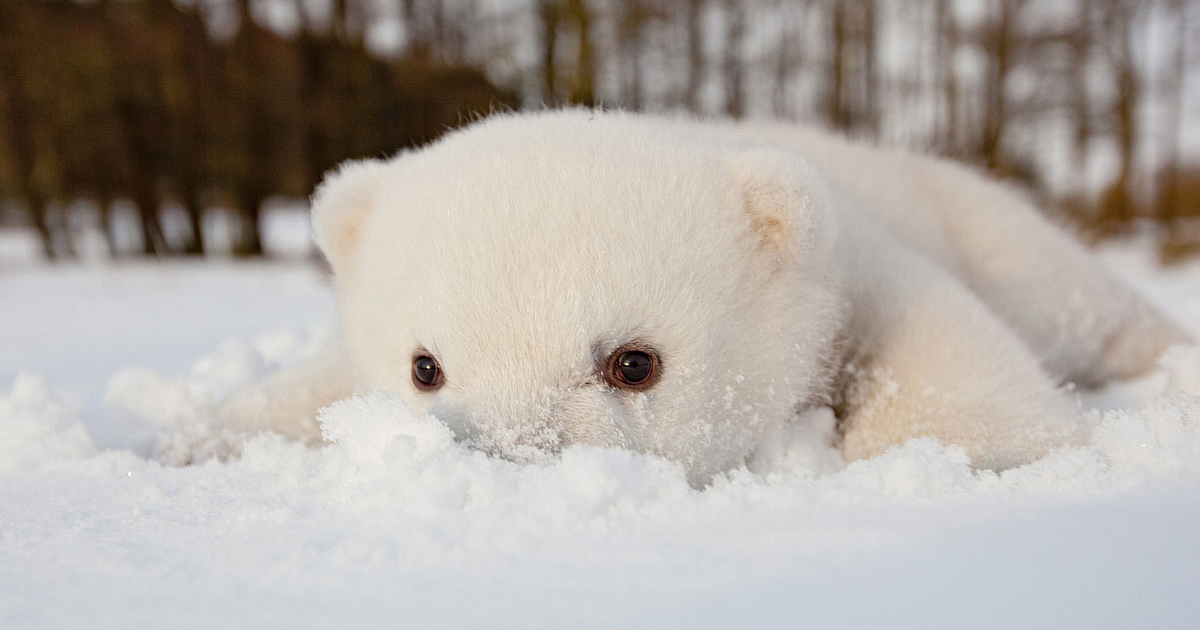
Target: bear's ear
[[787, 201], [341, 204]]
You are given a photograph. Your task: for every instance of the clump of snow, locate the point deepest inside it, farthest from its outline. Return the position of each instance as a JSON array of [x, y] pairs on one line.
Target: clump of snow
[[37, 428], [172, 418], [155, 412], [1159, 440], [1182, 364], [807, 443], [221, 373]]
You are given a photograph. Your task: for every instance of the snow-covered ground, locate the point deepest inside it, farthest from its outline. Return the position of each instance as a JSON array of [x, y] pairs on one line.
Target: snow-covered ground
[[396, 526]]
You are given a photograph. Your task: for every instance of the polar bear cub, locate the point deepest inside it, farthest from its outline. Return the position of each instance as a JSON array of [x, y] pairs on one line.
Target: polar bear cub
[[683, 288]]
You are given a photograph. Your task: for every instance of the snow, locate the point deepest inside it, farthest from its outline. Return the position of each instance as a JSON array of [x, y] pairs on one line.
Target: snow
[[396, 525]]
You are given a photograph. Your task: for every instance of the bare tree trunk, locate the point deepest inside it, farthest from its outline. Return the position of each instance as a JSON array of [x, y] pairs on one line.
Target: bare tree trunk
[[867, 31], [631, 36], [37, 216], [783, 73], [735, 81], [25, 155], [24, 144], [250, 236], [1169, 196], [256, 183], [146, 202], [104, 201], [64, 230], [1081, 52], [837, 111], [947, 38], [549, 14], [1000, 42], [851, 80], [583, 91], [193, 170], [190, 199], [695, 76], [1118, 208]]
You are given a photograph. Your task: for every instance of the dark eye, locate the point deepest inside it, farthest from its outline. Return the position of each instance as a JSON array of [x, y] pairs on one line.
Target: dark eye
[[632, 369], [427, 374]]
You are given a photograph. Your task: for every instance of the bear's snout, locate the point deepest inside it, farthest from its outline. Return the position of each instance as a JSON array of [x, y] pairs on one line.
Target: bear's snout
[[528, 428]]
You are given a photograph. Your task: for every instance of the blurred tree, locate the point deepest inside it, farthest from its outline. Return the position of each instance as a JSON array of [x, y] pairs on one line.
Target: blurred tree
[[583, 89], [554, 16], [549, 13], [851, 79], [30, 155], [195, 104], [1171, 197], [263, 112], [694, 11], [732, 64], [635, 18], [1116, 33], [1081, 45], [190, 116], [999, 37], [136, 99], [946, 36]]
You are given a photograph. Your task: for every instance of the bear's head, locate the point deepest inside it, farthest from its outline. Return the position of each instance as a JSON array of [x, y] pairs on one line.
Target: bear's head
[[538, 281]]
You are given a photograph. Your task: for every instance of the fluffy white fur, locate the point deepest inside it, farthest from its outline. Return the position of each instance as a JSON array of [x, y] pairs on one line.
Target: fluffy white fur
[[773, 268]]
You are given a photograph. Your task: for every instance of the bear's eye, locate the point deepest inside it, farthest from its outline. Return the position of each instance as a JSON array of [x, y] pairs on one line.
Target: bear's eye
[[635, 369], [426, 373]]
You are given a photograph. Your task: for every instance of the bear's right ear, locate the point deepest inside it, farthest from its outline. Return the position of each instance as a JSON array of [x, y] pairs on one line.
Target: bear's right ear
[[787, 201], [341, 204]]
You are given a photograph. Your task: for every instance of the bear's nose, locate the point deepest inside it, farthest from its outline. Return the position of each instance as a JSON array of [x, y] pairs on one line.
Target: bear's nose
[[524, 429], [533, 427]]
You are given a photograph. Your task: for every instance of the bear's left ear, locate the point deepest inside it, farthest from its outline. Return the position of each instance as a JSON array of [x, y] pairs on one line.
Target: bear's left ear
[[341, 204], [787, 201]]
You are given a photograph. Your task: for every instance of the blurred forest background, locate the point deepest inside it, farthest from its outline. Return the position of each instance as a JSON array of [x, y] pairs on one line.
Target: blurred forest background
[[141, 120]]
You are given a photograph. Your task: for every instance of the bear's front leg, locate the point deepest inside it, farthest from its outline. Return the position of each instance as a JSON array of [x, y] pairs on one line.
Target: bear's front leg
[[928, 359]]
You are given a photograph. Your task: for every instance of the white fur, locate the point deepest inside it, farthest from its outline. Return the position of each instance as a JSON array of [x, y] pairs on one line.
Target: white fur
[[774, 269]]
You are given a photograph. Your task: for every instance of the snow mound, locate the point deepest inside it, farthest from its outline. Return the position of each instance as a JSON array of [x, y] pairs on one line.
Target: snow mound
[[37, 429], [376, 437], [395, 519]]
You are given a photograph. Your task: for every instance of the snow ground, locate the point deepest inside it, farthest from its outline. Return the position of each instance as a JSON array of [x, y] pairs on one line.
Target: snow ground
[[395, 525]]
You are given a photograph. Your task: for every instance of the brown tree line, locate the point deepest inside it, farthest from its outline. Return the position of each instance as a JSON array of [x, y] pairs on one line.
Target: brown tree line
[[1086, 101], [137, 100]]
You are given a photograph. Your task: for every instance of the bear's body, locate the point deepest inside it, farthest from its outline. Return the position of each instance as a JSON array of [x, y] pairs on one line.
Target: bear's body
[[766, 269]]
